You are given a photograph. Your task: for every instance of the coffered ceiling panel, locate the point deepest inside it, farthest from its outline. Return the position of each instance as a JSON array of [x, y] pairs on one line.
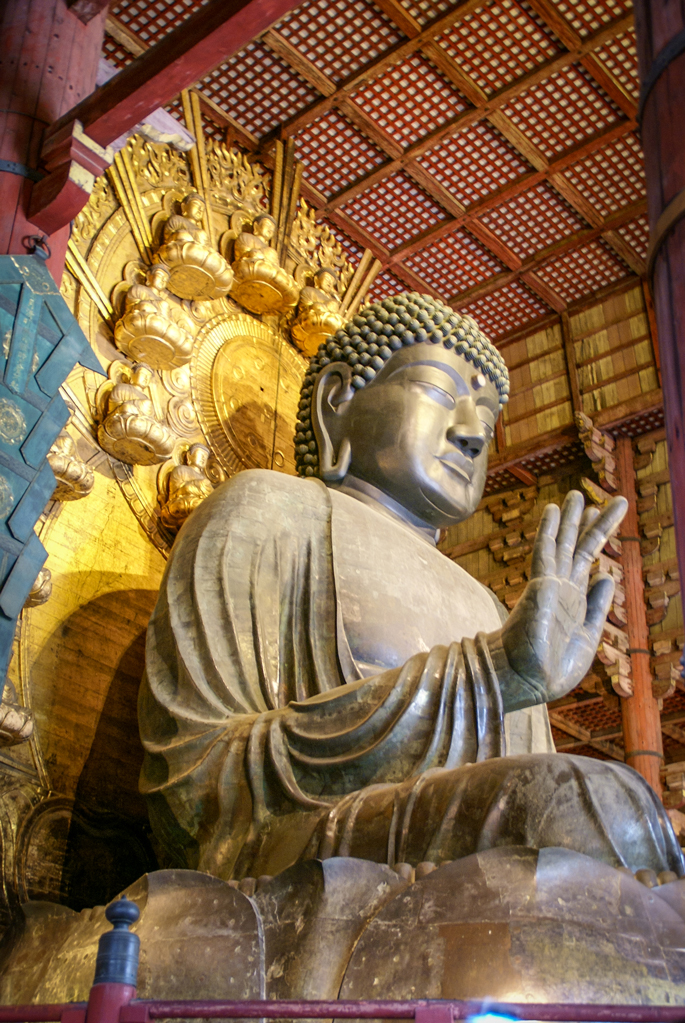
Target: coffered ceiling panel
[[485, 152]]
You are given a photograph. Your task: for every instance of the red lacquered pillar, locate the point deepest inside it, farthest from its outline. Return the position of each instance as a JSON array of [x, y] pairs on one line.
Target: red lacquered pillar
[[660, 27], [48, 63], [640, 712]]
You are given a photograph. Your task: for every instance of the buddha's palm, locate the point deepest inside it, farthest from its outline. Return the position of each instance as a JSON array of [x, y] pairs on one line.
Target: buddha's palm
[[551, 636]]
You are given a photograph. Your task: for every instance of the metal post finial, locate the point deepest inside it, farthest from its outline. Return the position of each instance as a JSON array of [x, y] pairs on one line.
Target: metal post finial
[[117, 958]]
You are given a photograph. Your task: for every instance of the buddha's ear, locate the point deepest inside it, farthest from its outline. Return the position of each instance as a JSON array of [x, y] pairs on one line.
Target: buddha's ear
[[332, 391]]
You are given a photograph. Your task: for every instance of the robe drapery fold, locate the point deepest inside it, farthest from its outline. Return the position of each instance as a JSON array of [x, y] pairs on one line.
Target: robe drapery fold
[[264, 745]]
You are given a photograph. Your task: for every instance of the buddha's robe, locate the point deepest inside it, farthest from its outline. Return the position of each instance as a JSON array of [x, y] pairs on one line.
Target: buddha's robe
[[318, 683]]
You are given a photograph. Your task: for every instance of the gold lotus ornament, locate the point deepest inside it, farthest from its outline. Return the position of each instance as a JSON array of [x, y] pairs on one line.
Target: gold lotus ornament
[[196, 269], [318, 312], [261, 284], [153, 329], [129, 430], [184, 487], [74, 477]]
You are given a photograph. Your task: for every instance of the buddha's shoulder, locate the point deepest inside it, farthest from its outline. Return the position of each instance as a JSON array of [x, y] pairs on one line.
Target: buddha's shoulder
[[266, 488]]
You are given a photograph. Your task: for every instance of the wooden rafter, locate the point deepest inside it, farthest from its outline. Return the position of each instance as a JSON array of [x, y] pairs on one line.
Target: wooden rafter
[[401, 51], [551, 252], [558, 720]]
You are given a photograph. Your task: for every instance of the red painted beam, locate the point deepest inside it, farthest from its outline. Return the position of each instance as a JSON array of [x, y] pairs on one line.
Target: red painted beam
[[199, 44]]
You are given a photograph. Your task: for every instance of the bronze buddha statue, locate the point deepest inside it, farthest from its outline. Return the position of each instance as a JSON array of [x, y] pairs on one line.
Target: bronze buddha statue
[[346, 735], [321, 681]]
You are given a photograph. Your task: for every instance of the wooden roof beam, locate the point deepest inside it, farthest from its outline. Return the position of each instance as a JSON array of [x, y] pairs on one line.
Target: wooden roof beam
[[483, 109], [75, 146], [394, 55], [195, 47], [509, 191], [124, 36], [487, 104]]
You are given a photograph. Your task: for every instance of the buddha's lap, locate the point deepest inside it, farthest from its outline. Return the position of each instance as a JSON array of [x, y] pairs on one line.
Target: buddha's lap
[[605, 810]]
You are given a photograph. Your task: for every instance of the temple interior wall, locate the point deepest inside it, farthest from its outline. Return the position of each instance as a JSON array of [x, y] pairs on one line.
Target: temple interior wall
[[77, 663]]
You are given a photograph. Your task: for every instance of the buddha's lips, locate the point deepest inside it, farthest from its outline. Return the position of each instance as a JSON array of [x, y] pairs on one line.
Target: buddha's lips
[[456, 465]]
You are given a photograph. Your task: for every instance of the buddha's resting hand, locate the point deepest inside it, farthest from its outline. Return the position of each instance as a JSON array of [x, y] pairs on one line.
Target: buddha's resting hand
[[549, 641]]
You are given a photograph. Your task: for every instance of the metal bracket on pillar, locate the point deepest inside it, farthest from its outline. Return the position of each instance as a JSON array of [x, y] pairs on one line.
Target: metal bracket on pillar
[[73, 162]]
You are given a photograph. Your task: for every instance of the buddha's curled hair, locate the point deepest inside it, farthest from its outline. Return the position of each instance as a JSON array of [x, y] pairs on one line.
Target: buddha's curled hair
[[378, 330]]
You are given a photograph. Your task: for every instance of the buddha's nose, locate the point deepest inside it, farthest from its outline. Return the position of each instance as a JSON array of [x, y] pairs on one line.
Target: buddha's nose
[[466, 433]]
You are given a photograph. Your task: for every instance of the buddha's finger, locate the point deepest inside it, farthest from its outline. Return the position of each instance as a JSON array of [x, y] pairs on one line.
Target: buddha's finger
[[599, 597], [589, 515], [582, 563], [543, 562], [567, 537], [596, 535]]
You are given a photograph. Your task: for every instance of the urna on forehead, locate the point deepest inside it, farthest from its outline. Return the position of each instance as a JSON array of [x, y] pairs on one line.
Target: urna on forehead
[[375, 333]]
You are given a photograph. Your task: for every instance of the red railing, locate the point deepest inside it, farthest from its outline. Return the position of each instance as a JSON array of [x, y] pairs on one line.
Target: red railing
[[422, 1011]]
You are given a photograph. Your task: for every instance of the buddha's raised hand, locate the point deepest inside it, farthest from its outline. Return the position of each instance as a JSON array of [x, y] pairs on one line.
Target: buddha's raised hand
[[549, 641]]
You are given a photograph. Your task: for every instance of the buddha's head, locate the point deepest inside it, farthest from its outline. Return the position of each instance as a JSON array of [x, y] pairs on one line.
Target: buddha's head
[[325, 280], [264, 227], [141, 375], [193, 207], [405, 399], [197, 456], [158, 276]]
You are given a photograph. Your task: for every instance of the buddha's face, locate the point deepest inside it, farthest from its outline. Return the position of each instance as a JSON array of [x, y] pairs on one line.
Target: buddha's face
[[420, 432], [197, 457], [325, 282], [157, 278], [142, 376], [194, 208], [264, 228]]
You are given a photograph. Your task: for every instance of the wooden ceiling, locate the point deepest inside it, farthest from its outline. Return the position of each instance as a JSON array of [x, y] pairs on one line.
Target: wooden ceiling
[[486, 153]]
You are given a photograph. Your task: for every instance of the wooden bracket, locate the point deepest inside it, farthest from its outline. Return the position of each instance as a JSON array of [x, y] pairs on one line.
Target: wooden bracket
[[73, 162]]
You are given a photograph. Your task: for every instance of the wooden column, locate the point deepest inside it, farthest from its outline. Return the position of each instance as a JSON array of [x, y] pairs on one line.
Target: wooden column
[[641, 719], [660, 27], [48, 63]]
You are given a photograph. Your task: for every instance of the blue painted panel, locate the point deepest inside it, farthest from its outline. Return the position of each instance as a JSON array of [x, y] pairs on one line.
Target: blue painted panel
[[40, 341], [23, 341], [39, 491], [60, 363], [21, 578], [41, 438]]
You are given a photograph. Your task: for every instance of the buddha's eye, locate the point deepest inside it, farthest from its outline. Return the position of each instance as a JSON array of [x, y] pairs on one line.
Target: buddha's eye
[[443, 397], [488, 431]]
